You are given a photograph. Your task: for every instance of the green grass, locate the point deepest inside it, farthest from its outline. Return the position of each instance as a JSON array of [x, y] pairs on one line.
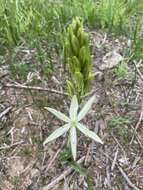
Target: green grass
[[119, 126], [42, 23], [122, 70], [27, 19]]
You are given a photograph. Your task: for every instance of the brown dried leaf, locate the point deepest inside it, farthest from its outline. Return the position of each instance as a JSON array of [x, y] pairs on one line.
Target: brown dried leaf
[[110, 60]]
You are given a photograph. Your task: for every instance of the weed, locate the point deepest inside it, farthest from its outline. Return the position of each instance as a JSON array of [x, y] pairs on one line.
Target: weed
[[16, 180], [36, 140], [122, 70], [43, 21], [21, 70], [26, 151], [118, 122], [66, 158], [118, 126]]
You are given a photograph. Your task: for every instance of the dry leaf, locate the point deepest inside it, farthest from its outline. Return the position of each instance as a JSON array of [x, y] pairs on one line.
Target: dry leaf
[[110, 60]]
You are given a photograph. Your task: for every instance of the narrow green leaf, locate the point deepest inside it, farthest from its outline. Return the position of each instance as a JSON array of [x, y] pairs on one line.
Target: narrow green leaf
[[89, 133], [70, 88], [73, 107], [57, 133], [86, 108], [58, 114], [78, 168], [83, 172], [73, 141]]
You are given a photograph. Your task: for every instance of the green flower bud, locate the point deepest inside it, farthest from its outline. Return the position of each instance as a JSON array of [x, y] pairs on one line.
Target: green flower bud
[[76, 63], [77, 53], [75, 45], [70, 88]]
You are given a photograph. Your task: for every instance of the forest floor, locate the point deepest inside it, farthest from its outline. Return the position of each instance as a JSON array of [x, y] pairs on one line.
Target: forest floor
[[117, 116]]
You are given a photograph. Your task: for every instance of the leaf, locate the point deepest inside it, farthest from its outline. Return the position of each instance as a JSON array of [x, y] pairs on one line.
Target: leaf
[[70, 88], [83, 172], [89, 133], [78, 168], [57, 133], [90, 183], [75, 44], [58, 114], [79, 78], [73, 141], [73, 107], [82, 53], [86, 108], [76, 63], [66, 155]]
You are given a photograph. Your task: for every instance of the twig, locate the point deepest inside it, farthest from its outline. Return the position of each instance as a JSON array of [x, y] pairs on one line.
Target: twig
[[55, 156], [116, 140], [87, 157], [12, 145], [123, 173], [5, 111], [62, 176], [114, 161], [107, 169], [137, 69], [137, 137], [35, 88], [140, 119], [29, 167], [3, 75], [138, 124], [127, 179]]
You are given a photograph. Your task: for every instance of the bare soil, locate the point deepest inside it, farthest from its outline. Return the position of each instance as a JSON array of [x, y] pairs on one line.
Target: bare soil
[[117, 116]]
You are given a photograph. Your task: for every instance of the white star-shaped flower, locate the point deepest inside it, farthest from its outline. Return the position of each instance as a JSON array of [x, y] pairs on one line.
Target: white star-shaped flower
[[73, 123]]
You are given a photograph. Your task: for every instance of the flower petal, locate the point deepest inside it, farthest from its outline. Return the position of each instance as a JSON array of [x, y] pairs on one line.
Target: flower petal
[[58, 132], [58, 114], [89, 133], [73, 141], [73, 108], [86, 108]]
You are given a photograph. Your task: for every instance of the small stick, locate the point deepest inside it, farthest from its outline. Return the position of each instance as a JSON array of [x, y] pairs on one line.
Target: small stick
[[35, 88], [12, 145], [108, 170], [114, 161], [137, 125], [5, 111], [140, 119], [137, 137], [127, 179], [3, 75], [87, 155], [62, 176], [55, 156], [122, 173], [137, 69], [116, 140]]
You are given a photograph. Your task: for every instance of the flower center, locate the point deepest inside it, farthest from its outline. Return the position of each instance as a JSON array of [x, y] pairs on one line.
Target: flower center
[[73, 123]]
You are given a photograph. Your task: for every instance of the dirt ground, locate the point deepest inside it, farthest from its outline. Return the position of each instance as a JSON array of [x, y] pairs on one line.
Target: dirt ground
[[117, 116]]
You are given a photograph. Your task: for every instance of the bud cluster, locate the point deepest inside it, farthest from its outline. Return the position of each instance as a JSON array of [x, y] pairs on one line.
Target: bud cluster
[[77, 55]]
